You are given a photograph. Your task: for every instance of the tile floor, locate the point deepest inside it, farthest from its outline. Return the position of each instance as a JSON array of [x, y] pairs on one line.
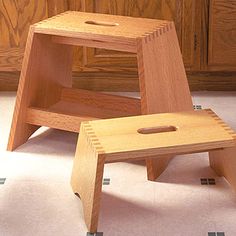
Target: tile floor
[[36, 198]]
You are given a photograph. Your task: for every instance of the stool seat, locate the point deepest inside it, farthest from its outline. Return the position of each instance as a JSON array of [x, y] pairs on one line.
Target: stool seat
[[149, 136], [102, 27], [167, 133]]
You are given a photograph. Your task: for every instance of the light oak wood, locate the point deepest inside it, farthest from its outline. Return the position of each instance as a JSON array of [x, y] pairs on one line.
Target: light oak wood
[[73, 24], [202, 28], [76, 106], [55, 119], [121, 138], [128, 82], [16, 18], [47, 72], [182, 12], [112, 140], [222, 34], [89, 178], [115, 103], [94, 43], [163, 82], [223, 162]]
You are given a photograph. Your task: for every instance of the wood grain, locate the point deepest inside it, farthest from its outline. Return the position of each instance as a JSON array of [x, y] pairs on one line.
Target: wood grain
[[128, 81], [47, 71], [9, 81], [15, 19], [112, 140], [190, 16], [39, 85], [101, 60], [57, 6], [223, 162], [190, 33], [87, 182], [74, 24], [130, 106], [222, 34], [120, 137], [161, 78]]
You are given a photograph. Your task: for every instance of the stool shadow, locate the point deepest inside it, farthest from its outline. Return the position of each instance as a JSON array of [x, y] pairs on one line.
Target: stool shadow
[[51, 141], [122, 217]]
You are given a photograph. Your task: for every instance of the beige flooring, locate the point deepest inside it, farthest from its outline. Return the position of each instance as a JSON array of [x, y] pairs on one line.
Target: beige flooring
[[36, 199]]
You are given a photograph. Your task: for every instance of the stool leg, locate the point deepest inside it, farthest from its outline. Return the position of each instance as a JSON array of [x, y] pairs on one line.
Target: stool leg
[[86, 180], [45, 71], [156, 167], [224, 163], [163, 82]]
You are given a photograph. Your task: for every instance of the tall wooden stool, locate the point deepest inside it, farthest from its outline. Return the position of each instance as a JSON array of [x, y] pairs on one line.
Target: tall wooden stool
[[45, 96], [138, 137]]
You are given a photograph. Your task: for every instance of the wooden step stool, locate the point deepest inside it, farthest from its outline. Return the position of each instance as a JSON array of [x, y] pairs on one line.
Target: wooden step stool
[[139, 137], [45, 96]]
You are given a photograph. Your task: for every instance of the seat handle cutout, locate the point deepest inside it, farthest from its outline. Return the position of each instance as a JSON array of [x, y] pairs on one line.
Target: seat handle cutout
[[101, 23], [157, 129]]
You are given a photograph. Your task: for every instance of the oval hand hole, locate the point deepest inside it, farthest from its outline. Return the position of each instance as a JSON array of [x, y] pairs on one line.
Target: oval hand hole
[[101, 23], [157, 129]]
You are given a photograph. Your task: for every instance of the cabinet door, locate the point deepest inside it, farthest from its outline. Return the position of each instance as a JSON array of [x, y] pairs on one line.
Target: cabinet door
[[15, 18], [117, 70], [222, 35], [94, 68]]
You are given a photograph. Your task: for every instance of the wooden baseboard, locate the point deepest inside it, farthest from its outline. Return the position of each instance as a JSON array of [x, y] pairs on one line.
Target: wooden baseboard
[[9, 81], [128, 82], [212, 81], [198, 81]]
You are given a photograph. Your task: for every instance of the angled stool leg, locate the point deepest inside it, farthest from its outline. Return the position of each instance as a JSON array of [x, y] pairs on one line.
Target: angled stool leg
[[224, 163], [46, 70], [163, 82], [87, 175]]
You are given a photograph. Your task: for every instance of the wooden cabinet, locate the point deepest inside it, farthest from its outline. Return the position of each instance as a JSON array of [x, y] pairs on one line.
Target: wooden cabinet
[[206, 31], [103, 60], [222, 35], [15, 18], [112, 70]]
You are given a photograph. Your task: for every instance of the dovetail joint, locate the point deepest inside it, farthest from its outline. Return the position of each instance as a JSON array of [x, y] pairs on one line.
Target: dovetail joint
[[158, 31], [92, 138]]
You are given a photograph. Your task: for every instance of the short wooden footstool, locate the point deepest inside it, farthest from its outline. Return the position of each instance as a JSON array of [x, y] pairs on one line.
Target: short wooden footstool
[[140, 137]]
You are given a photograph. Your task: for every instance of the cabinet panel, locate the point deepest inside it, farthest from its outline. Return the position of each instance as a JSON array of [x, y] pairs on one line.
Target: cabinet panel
[[104, 68], [222, 35], [15, 19], [182, 12], [190, 27]]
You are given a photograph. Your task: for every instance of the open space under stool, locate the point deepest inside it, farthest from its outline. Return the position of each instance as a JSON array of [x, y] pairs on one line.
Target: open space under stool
[[138, 137], [45, 96]]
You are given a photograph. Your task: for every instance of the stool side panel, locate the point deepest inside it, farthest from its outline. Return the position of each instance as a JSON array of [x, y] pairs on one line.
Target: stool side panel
[[163, 82], [224, 164], [20, 131], [46, 70], [86, 179]]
